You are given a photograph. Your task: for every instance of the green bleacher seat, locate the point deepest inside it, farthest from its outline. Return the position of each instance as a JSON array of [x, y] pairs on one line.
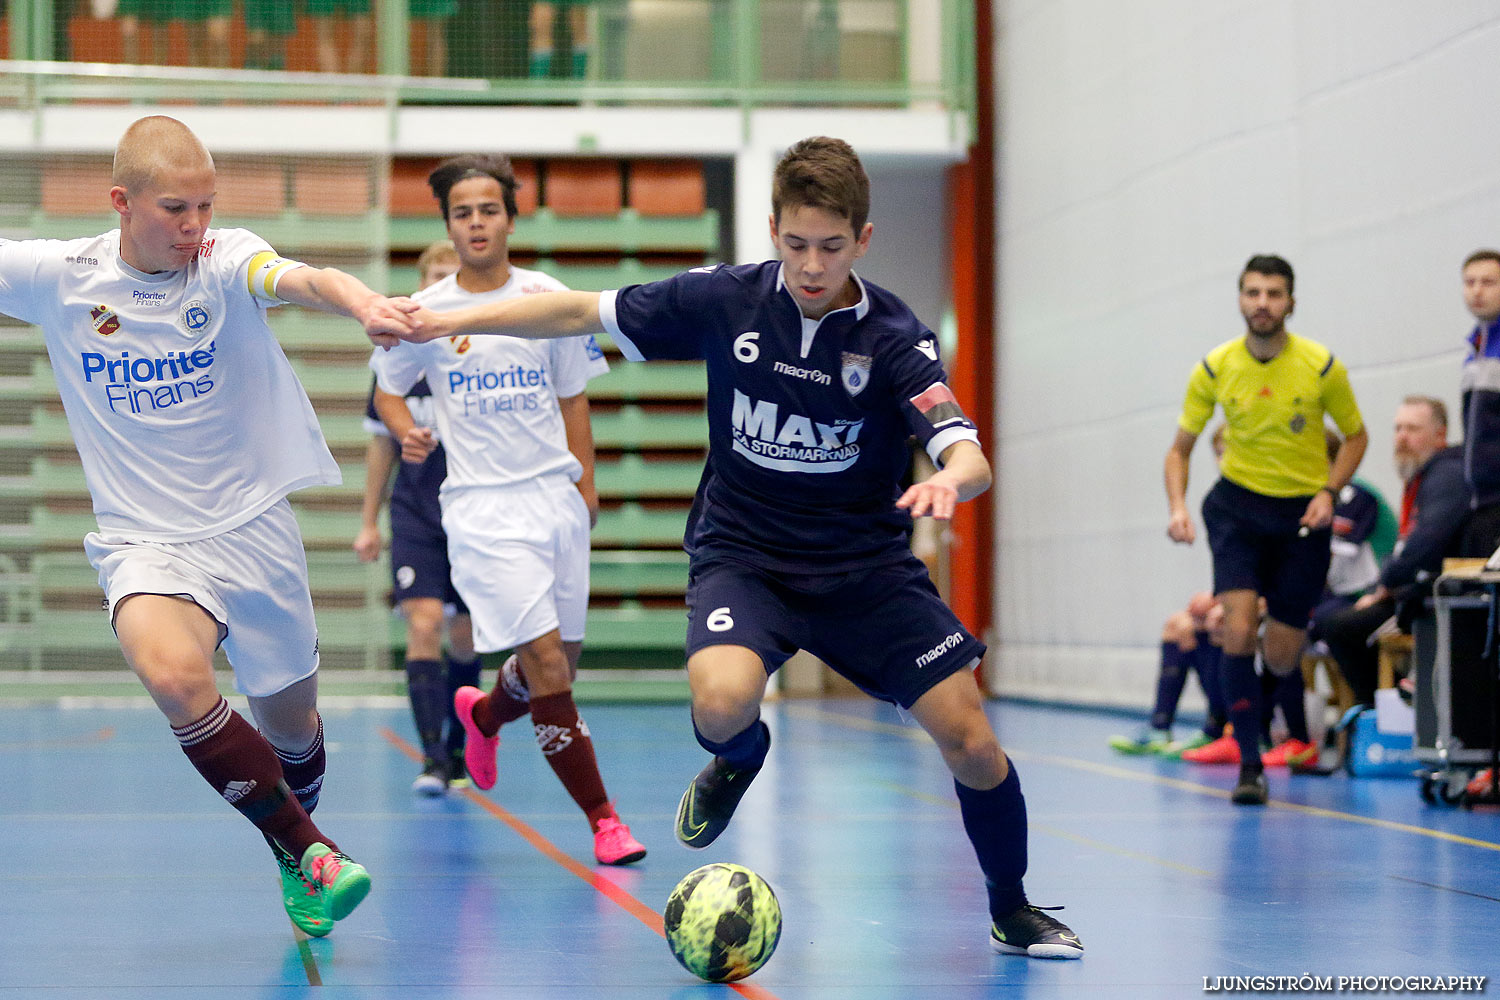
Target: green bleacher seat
[[290, 232], [545, 232], [637, 574], [634, 427], [633, 477], [584, 277], [64, 479], [636, 628], [664, 380], [634, 526]]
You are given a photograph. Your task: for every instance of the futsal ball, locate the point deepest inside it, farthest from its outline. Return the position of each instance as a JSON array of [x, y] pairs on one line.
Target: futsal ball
[[722, 922]]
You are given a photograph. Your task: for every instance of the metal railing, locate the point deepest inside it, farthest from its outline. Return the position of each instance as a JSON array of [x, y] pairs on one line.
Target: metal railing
[[738, 53]]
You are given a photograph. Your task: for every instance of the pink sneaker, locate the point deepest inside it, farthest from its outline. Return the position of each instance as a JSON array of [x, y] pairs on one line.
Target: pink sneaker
[[479, 749], [613, 844], [1224, 750], [1288, 752]]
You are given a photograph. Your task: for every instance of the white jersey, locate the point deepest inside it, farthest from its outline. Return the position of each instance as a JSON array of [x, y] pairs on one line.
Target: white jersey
[[495, 397], [184, 409]]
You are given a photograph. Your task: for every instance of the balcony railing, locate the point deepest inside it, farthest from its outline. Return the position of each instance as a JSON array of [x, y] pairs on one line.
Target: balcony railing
[[739, 53]]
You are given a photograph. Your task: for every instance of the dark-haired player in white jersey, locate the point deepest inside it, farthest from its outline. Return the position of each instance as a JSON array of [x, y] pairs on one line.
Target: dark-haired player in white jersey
[[798, 534], [421, 587], [519, 497], [192, 429]]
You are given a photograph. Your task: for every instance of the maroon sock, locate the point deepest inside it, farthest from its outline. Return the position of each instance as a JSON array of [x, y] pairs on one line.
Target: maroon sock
[[565, 742], [241, 766], [507, 701]]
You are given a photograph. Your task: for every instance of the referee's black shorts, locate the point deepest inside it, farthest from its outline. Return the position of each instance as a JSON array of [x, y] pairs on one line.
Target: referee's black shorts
[[1256, 546]]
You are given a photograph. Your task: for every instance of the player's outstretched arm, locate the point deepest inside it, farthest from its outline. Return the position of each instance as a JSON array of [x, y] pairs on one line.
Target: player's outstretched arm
[[540, 316], [965, 474], [1175, 473], [328, 289]]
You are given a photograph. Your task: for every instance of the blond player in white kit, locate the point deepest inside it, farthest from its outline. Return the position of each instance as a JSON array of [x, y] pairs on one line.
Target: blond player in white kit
[[192, 429], [519, 498]]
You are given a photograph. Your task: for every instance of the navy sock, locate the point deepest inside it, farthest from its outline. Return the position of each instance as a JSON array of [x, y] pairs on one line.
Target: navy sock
[[460, 674], [1169, 684], [1267, 703], [995, 821], [428, 689], [304, 771], [1242, 703], [1206, 662], [743, 751], [1289, 695]]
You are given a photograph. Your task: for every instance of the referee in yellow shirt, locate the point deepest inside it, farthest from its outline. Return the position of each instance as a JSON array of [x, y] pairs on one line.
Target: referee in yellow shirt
[[1268, 517]]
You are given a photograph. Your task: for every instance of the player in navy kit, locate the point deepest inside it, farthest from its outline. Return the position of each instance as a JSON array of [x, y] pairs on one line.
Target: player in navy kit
[[422, 590], [798, 534]]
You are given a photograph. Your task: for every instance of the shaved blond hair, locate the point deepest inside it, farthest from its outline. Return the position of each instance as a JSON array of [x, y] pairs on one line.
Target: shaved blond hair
[[154, 146], [436, 252]]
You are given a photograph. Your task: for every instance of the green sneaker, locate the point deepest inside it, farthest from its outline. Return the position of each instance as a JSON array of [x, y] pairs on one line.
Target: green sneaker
[[344, 882], [301, 897], [1176, 747], [1147, 741]]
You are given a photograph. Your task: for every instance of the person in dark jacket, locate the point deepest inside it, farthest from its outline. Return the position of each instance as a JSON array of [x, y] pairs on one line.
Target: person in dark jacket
[[1433, 508], [1481, 404]]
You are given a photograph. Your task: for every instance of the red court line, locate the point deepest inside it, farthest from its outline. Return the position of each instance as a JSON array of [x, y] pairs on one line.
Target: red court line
[[645, 914]]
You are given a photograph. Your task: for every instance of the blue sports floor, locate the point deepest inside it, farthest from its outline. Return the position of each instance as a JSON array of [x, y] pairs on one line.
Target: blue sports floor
[[124, 877]]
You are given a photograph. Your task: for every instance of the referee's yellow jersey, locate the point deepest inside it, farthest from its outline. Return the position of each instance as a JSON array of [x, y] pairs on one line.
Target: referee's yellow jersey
[[1274, 443]]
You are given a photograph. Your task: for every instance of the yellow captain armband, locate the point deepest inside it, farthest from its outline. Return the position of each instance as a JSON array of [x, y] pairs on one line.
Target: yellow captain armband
[[264, 271]]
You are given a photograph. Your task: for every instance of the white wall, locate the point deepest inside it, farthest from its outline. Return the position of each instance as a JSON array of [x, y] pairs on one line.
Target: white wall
[[1146, 150]]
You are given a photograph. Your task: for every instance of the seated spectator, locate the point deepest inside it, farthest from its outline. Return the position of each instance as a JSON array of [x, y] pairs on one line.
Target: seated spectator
[[347, 24], [1189, 640], [206, 22], [1434, 504]]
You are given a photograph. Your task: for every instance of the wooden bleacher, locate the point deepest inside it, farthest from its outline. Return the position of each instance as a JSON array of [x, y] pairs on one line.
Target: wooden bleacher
[[592, 223]]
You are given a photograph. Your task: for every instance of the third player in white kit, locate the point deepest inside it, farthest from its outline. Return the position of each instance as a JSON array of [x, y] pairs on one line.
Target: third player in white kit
[[519, 499]]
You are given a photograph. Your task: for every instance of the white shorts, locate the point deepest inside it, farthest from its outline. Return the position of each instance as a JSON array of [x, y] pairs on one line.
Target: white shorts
[[519, 557], [252, 581]]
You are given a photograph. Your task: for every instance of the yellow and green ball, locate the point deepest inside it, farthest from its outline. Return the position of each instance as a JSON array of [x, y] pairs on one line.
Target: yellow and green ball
[[722, 922]]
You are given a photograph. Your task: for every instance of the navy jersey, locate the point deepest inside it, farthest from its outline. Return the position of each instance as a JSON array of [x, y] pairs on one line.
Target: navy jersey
[[416, 482], [808, 419]]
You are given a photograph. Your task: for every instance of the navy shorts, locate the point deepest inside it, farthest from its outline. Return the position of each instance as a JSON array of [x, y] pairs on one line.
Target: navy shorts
[[419, 554], [885, 629], [1256, 546]]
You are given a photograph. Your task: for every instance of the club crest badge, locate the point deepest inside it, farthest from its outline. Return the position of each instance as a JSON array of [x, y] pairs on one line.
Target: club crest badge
[[460, 344], [104, 320], [1298, 424], [855, 373], [195, 316]]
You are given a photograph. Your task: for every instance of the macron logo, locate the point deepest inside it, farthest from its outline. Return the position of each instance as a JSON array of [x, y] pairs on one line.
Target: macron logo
[[952, 642]]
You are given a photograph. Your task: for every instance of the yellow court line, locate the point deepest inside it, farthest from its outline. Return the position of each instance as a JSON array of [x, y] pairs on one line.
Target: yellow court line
[[1113, 771]]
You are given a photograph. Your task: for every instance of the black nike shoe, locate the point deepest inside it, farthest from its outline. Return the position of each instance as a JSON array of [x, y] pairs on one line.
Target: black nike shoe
[[710, 801], [1032, 932], [1251, 789]]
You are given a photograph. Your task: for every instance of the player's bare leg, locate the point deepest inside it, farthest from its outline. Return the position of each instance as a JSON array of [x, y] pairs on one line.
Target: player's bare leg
[[728, 684], [169, 643], [994, 816]]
